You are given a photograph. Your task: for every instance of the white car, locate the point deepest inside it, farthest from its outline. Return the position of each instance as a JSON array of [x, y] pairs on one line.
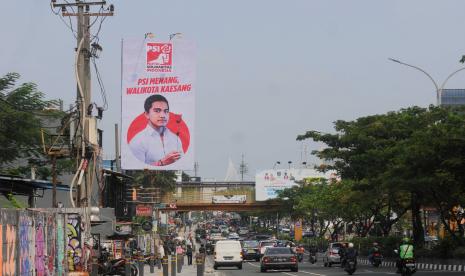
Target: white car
[[233, 236], [228, 253]]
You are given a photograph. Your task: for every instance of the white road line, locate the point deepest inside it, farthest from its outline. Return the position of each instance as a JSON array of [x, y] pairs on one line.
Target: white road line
[[312, 273], [253, 264], [289, 274]]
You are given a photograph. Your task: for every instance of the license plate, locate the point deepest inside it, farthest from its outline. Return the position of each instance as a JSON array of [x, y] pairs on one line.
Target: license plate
[[228, 258], [351, 263], [410, 265], [251, 251]]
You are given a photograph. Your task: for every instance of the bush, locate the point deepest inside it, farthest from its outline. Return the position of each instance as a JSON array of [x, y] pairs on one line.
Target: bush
[[459, 253], [387, 245], [320, 243]]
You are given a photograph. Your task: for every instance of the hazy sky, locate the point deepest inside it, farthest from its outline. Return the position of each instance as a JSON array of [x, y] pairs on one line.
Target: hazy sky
[[267, 70]]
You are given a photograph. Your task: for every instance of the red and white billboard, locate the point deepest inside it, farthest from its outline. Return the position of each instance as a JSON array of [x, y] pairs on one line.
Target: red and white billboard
[[158, 104]]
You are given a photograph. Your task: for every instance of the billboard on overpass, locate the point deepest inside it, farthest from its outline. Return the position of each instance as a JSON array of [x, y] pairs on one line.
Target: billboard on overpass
[[268, 182]]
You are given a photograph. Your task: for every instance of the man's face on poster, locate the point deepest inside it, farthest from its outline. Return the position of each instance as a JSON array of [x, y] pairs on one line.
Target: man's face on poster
[[158, 114]]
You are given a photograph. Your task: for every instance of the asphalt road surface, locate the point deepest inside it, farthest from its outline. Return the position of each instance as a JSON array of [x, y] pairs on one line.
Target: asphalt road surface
[[306, 269]]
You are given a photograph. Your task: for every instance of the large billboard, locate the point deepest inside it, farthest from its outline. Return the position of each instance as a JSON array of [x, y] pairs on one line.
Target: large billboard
[[268, 182], [157, 104]]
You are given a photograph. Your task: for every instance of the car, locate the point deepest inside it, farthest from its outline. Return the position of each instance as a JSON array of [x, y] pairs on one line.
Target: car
[[243, 231], [263, 245], [250, 250], [279, 258], [331, 255], [228, 253], [233, 236]]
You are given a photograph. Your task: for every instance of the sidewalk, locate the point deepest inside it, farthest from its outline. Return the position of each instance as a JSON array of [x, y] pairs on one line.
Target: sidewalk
[[187, 270]]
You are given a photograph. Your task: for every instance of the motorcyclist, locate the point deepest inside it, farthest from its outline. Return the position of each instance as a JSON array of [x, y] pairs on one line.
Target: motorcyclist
[[405, 252], [373, 250], [300, 250], [351, 253]]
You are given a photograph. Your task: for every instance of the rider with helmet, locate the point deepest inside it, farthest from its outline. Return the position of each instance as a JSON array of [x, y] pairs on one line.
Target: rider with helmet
[[405, 253], [374, 249]]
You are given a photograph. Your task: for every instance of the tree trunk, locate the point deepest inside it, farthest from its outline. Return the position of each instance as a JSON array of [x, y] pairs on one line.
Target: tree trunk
[[418, 231]]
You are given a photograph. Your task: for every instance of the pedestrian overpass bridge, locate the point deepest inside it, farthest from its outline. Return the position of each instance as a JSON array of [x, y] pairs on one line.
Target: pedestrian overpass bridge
[[198, 196]]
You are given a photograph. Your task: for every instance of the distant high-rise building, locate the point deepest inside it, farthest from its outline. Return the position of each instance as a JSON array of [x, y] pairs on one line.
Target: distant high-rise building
[[452, 97]]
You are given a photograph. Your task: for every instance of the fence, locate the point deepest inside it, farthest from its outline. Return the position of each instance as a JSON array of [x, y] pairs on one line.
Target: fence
[[40, 242]]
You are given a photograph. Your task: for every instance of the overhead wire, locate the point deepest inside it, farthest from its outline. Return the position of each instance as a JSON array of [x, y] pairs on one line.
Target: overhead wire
[[101, 85]]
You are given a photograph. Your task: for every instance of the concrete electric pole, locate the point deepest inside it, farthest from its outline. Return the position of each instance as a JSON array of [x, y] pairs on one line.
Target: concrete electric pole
[[86, 139]]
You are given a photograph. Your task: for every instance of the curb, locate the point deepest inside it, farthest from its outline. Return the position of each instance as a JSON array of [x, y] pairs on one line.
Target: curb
[[421, 266]]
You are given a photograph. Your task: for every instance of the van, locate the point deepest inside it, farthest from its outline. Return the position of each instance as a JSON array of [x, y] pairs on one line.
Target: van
[[228, 253]]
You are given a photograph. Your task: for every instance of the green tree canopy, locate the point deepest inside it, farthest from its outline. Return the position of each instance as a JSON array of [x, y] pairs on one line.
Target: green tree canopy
[[19, 125]]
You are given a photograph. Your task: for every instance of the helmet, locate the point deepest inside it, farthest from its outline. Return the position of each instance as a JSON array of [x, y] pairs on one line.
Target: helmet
[[351, 245], [405, 240]]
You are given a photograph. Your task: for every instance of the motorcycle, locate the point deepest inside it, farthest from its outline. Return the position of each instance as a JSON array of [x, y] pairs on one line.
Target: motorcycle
[[377, 259], [312, 258], [114, 267], [408, 266], [350, 266]]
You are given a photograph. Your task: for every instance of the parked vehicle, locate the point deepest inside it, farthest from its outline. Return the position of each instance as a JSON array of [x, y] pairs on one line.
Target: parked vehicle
[[114, 267], [228, 253], [331, 255], [279, 258]]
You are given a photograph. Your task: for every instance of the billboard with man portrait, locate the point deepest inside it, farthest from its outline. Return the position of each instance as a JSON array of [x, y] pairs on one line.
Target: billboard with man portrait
[[157, 104]]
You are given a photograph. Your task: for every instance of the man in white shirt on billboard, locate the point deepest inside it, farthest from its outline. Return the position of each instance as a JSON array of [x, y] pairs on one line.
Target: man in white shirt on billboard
[[156, 145]]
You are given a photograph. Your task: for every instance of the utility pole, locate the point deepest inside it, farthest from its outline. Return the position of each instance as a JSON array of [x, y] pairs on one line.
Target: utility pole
[[86, 136]]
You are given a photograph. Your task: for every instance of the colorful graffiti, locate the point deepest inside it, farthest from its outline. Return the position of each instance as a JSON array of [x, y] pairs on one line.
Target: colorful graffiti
[[9, 265], [33, 242], [25, 262], [51, 250], [74, 248], [40, 244], [60, 246]]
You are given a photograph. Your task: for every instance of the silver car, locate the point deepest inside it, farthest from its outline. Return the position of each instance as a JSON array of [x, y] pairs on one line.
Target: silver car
[[332, 253]]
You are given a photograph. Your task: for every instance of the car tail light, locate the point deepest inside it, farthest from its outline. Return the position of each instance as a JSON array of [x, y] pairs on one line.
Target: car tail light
[[242, 255], [293, 259], [266, 260]]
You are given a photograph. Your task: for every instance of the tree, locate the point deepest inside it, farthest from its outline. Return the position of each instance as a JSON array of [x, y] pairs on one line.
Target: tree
[[19, 125]]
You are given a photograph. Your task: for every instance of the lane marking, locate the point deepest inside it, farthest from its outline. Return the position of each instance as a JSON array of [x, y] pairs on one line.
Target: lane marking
[[289, 274], [312, 273]]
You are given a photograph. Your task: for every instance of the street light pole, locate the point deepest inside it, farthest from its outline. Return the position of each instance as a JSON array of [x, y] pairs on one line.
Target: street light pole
[[438, 88]]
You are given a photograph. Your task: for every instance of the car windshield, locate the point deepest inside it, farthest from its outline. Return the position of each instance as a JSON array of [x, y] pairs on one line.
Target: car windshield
[[278, 251], [268, 243], [250, 244]]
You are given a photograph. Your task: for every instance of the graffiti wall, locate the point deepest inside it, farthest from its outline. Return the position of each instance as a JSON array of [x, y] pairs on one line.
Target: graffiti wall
[[74, 244], [37, 243]]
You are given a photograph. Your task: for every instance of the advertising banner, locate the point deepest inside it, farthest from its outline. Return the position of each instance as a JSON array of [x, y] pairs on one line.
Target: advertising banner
[[157, 104], [298, 230], [229, 199], [268, 182], [143, 210]]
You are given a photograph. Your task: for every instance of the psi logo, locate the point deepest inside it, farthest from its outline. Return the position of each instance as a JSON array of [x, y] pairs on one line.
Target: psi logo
[[159, 57]]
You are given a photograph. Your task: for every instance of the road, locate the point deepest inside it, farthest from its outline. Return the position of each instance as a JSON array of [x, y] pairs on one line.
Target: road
[[307, 269]]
